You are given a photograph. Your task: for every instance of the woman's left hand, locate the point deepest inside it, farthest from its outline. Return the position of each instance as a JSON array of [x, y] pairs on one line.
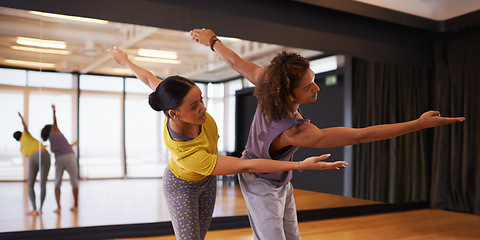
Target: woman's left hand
[[433, 119], [202, 36]]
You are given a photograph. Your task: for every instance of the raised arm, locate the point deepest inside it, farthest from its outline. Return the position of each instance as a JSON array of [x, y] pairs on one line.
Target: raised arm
[[308, 135], [231, 165], [249, 70], [143, 74], [25, 126], [54, 125]]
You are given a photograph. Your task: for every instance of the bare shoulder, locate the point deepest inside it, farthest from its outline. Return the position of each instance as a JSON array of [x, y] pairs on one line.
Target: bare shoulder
[[292, 134]]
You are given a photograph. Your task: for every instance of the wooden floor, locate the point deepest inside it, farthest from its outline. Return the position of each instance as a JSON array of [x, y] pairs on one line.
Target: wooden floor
[[112, 202], [115, 202], [424, 224]]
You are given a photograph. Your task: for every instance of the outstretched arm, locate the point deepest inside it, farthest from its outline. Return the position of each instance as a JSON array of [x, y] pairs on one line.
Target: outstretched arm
[[308, 135], [54, 125], [231, 165], [248, 69], [143, 74], [25, 126]]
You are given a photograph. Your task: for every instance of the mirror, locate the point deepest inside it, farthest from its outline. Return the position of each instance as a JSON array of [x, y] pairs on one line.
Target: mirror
[[103, 106]]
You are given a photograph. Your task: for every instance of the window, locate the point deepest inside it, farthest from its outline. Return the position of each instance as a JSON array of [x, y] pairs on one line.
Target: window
[[231, 88], [100, 127], [101, 83], [49, 79], [146, 153], [11, 160], [13, 77], [215, 94]]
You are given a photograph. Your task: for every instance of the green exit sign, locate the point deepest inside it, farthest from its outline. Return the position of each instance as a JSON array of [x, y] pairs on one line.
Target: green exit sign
[[331, 80]]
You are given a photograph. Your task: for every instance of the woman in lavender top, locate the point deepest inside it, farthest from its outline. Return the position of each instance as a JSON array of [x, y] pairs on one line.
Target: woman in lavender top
[[278, 129], [65, 160]]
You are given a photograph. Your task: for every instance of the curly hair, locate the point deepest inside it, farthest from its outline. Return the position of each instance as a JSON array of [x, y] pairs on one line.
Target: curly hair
[[276, 87]]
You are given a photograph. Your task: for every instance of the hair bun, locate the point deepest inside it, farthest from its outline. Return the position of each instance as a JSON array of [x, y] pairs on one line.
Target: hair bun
[[153, 102]]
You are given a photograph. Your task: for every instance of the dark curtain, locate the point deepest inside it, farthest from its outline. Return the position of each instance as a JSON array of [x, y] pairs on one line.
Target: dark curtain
[[456, 148], [398, 169]]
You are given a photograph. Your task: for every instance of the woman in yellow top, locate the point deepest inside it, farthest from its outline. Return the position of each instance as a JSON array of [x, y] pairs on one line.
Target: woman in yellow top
[[38, 160], [190, 134]]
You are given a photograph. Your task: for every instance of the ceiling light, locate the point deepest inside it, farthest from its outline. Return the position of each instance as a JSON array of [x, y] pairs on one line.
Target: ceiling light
[[41, 43], [33, 64], [42, 50], [157, 53], [324, 64], [157, 60], [73, 18]]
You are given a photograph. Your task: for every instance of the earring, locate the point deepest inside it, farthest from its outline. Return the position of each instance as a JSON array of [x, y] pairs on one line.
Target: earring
[[291, 98]]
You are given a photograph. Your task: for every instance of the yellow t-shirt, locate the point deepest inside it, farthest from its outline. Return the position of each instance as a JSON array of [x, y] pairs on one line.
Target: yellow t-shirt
[[195, 159], [29, 145]]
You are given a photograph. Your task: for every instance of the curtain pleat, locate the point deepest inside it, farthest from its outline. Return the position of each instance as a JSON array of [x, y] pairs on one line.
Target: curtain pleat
[[456, 148], [394, 170]]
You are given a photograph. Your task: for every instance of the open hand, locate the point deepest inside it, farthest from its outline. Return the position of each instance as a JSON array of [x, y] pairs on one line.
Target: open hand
[[202, 36], [118, 55], [316, 163], [433, 119]]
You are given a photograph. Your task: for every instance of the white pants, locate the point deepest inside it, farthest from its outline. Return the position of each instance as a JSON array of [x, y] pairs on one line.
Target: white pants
[[271, 208]]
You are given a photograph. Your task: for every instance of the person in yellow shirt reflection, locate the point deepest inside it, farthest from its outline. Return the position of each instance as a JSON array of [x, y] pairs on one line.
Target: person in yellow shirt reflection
[[38, 161], [190, 134]]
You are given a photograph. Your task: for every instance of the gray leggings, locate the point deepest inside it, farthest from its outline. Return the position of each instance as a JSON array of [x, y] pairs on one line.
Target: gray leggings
[[190, 204], [38, 161], [66, 162]]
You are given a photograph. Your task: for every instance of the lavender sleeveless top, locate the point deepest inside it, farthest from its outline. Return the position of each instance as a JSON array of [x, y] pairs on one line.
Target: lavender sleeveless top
[[262, 133], [59, 144]]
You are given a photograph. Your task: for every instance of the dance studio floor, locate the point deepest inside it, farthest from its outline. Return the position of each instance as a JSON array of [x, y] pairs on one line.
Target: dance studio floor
[[128, 201]]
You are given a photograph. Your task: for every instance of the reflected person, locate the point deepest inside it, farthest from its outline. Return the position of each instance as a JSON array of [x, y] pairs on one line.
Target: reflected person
[[38, 161], [65, 160]]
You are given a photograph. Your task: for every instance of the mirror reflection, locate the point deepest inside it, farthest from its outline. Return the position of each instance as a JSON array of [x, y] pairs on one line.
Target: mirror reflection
[[101, 104]]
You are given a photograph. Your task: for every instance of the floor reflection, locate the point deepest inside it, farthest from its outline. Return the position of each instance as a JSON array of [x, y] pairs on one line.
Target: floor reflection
[[112, 202]]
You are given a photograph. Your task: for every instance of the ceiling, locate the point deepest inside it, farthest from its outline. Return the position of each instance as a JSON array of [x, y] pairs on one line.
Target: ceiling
[[433, 9], [86, 42]]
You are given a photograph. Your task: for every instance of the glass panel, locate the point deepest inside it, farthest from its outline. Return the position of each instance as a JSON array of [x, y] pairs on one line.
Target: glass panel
[[215, 90], [49, 79], [100, 136], [146, 153], [101, 83], [134, 85], [230, 119], [203, 88], [216, 110], [13, 77], [232, 87], [11, 160]]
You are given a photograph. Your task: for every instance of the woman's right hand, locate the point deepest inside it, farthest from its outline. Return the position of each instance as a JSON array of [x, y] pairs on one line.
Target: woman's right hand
[[118, 55], [316, 163]]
